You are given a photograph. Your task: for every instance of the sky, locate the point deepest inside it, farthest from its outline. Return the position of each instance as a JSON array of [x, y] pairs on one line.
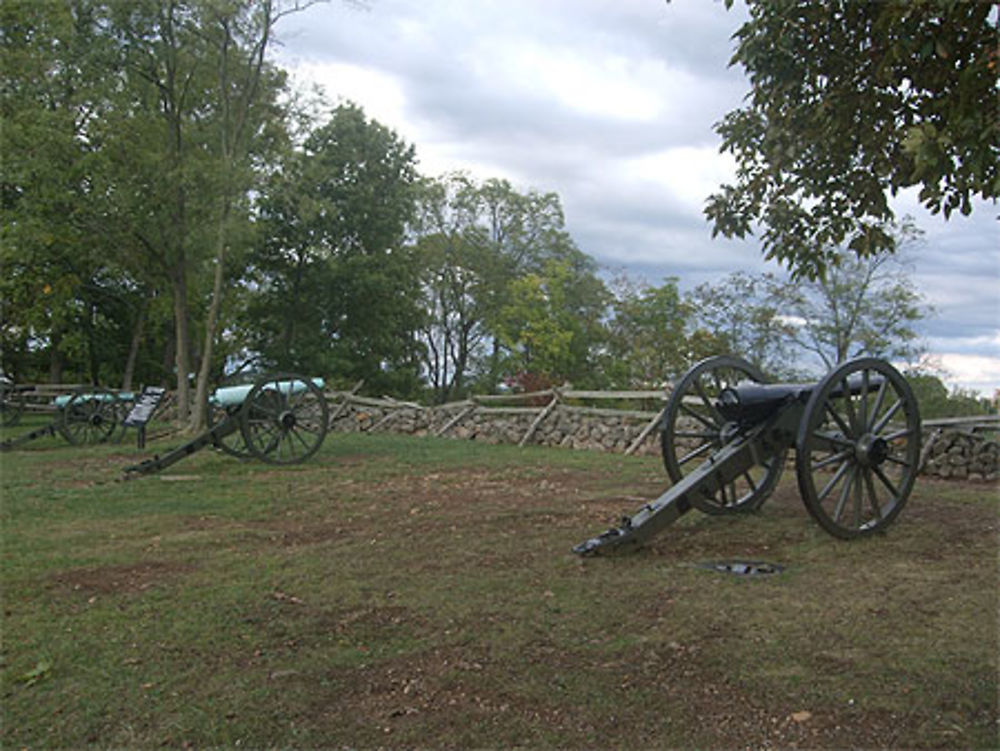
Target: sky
[[611, 105]]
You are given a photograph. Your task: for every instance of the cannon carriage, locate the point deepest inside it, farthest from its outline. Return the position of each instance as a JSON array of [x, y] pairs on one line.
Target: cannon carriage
[[726, 434], [87, 416], [279, 419]]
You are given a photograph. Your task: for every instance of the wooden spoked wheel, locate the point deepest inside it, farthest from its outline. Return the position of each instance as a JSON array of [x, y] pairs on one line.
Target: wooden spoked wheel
[[693, 429], [858, 448], [90, 416], [11, 404], [232, 444], [284, 419]]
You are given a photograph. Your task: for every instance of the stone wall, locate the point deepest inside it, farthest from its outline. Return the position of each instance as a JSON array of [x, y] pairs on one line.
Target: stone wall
[[960, 455], [947, 453], [563, 427]]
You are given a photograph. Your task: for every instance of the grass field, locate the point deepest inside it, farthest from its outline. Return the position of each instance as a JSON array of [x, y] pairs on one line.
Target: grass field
[[410, 592]]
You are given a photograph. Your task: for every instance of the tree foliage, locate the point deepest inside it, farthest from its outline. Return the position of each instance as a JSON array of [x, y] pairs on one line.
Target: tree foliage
[[743, 315], [862, 307], [159, 215], [937, 401], [648, 343], [334, 288], [489, 253], [851, 101], [550, 324]]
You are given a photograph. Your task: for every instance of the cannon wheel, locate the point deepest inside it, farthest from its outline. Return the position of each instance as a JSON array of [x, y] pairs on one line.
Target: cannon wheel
[[857, 454], [90, 416], [693, 429], [11, 404], [233, 444], [284, 419]]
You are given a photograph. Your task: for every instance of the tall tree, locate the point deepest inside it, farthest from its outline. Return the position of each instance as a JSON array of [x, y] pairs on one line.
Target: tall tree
[[52, 56], [456, 274], [850, 101], [551, 323], [742, 315], [862, 306], [249, 121], [478, 239], [335, 288], [647, 334], [196, 111]]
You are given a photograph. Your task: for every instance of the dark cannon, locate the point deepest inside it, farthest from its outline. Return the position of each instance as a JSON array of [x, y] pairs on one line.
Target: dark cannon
[[279, 419], [726, 434]]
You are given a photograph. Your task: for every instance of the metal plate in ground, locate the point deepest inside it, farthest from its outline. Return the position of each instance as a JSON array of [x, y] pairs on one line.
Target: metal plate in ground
[[743, 568]]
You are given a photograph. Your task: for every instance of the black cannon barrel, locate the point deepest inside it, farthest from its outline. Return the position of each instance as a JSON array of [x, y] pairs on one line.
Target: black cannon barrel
[[749, 403]]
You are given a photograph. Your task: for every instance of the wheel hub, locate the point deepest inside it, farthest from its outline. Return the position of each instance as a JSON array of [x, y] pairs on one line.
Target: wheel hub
[[871, 450], [287, 420]]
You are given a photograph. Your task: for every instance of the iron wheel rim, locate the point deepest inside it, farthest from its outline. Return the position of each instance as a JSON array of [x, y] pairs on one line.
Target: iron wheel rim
[[90, 416], [692, 400], [857, 454], [284, 419]]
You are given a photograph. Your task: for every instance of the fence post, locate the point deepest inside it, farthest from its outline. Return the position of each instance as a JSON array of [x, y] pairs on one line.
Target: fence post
[[343, 404], [455, 420], [642, 436], [541, 416]]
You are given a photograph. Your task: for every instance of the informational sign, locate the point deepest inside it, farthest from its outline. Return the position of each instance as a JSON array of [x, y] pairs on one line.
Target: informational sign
[[145, 405]]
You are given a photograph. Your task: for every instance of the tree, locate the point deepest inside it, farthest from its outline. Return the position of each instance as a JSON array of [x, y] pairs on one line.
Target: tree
[[476, 240], [333, 287], [936, 401], [460, 270], [550, 323], [861, 307], [199, 114], [647, 335], [53, 93], [249, 121], [852, 100], [742, 315]]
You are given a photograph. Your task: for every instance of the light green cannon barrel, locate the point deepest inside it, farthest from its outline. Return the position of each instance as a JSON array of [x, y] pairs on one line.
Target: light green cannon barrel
[[101, 396], [231, 396]]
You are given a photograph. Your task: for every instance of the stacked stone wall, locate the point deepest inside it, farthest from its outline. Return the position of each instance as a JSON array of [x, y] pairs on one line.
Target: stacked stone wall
[[563, 427], [947, 454], [961, 455]]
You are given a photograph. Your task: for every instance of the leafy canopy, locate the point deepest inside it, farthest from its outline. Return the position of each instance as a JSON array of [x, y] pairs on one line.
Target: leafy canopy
[[850, 101]]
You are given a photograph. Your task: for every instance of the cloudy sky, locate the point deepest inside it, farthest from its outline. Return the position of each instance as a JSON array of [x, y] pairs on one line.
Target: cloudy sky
[[610, 104]]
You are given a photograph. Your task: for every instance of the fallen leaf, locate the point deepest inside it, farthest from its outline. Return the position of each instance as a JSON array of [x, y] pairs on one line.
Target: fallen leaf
[[36, 674], [802, 716]]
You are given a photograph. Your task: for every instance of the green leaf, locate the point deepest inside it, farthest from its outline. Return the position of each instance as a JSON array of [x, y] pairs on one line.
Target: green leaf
[[36, 674]]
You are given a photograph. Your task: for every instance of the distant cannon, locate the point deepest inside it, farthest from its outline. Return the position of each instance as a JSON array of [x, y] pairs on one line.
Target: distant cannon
[[726, 435], [87, 416], [280, 419]]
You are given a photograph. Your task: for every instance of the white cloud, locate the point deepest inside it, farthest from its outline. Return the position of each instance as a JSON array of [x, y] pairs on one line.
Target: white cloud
[[974, 372], [380, 94], [687, 173], [604, 87]]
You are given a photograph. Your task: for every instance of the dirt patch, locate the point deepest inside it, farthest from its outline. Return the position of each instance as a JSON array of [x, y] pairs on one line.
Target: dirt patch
[[122, 579]]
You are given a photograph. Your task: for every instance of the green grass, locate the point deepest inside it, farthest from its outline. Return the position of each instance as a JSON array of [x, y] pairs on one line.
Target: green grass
[[411, 592]]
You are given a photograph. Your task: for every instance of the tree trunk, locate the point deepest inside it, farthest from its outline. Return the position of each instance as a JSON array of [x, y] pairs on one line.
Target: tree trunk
[[199, 412], [56, 359], [133, 348], [182, 357]]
